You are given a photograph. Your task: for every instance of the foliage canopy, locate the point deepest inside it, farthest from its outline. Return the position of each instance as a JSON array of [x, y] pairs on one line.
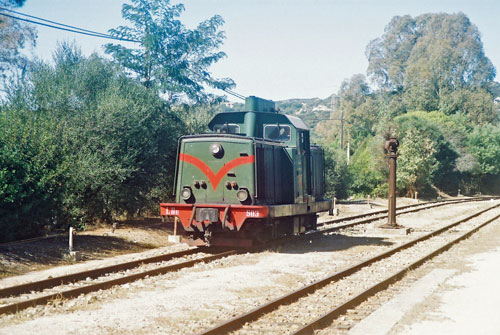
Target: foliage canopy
[[82, 142], [170, 58]]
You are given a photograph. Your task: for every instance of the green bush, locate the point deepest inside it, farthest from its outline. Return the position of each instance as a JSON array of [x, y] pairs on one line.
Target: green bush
[[82, 142], [368, 176]]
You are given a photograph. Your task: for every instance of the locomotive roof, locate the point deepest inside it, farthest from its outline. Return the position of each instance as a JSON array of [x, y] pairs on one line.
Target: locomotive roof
[[276, 117]]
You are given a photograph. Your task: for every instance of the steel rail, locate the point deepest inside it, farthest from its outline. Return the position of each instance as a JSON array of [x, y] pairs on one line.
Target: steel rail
[[252, 315], [433, 203], [94, 273], [75, 292], [326, 319], [32, 239], [420, 207]]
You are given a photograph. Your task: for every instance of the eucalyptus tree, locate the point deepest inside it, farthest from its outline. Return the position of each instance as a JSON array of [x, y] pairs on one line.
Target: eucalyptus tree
[[169, 57], [433, 60]]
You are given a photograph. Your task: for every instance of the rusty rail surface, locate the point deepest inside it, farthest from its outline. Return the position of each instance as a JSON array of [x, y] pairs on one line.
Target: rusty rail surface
[[432, 204], [372, 218], [72, 293], [94, 273], [238, 321]]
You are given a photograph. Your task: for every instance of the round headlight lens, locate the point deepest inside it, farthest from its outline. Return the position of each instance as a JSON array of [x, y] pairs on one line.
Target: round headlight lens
[[186, 193], [215, 149], [242, 195]]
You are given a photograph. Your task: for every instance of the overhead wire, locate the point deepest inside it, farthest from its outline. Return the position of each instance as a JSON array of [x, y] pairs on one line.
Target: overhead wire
[[237, 95], [54, 22], [61, 26], [77, 30]]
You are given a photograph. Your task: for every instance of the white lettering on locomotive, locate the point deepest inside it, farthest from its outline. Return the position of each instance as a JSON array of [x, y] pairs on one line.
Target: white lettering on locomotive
[[171, 211], [253, 213]]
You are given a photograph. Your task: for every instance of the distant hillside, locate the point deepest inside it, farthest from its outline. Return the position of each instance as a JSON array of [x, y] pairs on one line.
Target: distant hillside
[[311, 111]]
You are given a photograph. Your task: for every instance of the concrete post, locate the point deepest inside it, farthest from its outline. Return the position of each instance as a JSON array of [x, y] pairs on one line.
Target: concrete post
[[70, 239]]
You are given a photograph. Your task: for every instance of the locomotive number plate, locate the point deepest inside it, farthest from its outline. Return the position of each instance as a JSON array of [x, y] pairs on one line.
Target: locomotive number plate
[[253, 213]]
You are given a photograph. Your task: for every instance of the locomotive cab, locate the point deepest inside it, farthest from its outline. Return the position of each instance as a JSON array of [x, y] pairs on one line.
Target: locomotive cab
[[255, 175]]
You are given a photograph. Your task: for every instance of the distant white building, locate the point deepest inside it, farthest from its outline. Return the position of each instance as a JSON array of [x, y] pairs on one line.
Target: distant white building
[[321, 108], [229, 104]]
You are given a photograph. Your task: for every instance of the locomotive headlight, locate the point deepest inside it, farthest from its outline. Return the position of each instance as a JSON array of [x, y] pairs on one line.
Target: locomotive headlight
[[186, 193], [216, 149], [242, 194]]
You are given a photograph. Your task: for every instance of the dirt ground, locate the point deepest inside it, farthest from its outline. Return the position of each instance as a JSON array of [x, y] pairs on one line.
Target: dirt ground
[[97, 242]]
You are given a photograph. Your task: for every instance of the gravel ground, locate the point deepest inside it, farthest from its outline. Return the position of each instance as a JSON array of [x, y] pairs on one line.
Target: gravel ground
[[460, 297], [321, 301], [184, 301]]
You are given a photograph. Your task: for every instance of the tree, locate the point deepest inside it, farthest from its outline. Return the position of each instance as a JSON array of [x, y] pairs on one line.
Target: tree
[[14, 37], [416, 163], [484, 145], [337, 178], [430, 57], [360, 112], [368, 169], [427, 158], [171, 58]]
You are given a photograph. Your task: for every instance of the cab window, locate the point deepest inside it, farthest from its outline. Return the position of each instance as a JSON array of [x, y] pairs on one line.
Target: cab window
[[277, 132], [227, 128]]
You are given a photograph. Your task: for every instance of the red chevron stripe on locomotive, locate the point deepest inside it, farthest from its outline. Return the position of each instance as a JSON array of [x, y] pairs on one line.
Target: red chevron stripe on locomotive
[[215, 178]]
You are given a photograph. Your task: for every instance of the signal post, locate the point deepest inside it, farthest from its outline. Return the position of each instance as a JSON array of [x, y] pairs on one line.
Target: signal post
[[391, 146]]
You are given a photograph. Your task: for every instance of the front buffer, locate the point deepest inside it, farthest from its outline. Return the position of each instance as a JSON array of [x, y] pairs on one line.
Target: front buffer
[[203, 219]]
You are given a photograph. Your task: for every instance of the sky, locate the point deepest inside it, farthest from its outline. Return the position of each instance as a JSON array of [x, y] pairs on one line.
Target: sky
[[276, 49]]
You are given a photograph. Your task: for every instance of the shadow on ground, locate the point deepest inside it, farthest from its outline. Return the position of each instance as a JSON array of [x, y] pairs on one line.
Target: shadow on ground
[[50, 250], [333, 242]]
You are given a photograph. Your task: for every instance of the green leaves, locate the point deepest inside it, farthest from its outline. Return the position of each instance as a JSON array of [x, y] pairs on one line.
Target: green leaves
[[427, 59], [435, 92], [484, 144], [435, 50], [171, 59], [82, 142]]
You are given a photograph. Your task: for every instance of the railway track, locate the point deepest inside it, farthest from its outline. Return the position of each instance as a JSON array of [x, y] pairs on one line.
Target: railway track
[[96, 279], [7, 245], [382, 214], [316, 305]]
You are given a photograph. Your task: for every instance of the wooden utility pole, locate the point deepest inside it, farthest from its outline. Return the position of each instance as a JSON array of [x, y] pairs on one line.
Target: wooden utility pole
[[341, 129]]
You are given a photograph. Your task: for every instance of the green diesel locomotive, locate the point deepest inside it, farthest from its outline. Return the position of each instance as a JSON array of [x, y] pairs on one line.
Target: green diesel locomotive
[[255, 177]]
